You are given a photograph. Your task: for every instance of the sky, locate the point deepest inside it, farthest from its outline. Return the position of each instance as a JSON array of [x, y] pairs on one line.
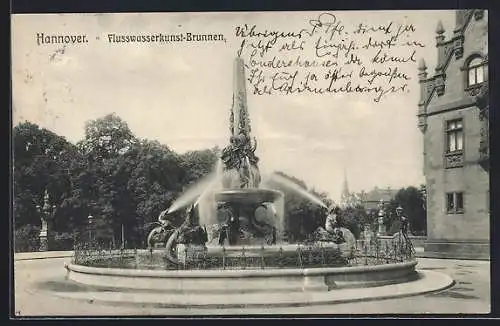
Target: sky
[[180, 94]]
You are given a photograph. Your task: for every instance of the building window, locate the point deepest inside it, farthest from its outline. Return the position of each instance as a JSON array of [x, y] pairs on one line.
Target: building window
[[454, 152], [477, 72], [454, 136], [455, 202]]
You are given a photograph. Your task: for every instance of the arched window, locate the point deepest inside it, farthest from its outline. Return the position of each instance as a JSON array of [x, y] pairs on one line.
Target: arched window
[[476, 72]]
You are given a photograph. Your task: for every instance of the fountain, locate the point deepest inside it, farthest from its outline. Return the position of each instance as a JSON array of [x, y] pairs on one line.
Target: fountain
[[230, 243], [245, 213], [242, 196]]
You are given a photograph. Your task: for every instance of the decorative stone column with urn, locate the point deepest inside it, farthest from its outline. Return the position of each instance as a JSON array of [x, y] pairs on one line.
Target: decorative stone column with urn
[[46, 212], [381, 215]]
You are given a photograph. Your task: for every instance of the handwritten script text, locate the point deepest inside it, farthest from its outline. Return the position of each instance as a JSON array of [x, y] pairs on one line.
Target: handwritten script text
[[329, 56]]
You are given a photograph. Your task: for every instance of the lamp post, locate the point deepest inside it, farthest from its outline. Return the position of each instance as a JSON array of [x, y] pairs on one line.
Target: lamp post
[[381, 215], [46, 213], [123, 236], [90, 221]]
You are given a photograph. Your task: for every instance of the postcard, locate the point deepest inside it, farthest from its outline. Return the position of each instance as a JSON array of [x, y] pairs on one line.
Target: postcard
[[250, 163]]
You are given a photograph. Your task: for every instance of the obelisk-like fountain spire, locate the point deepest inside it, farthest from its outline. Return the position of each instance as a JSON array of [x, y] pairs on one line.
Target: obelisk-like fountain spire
[[239, 155], [240, 122]]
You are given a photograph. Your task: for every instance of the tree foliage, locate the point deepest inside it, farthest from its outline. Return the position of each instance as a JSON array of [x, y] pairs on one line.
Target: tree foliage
[[302, 215], [121, 181], [412, 200]]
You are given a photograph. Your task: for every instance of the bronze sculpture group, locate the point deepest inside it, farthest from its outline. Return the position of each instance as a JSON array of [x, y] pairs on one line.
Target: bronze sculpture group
[[332, 232], [190, 232], [240, 156]]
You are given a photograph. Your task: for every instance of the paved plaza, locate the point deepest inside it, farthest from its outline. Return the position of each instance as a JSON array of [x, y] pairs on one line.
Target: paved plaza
[[470, 294]]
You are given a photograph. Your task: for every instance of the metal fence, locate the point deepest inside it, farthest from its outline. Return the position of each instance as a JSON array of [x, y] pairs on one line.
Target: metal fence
[[364, 252], [31, 242]]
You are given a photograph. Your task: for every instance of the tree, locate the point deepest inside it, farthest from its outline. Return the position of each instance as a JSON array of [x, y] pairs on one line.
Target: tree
[[302, 215], [107, 137], [198, 164], [101, 176], [355, 218], [41, 162], [412, 200], [155, 179]]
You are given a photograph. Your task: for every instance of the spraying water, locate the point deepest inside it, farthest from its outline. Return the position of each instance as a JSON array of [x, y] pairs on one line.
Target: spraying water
[[298, 189], [202, 195], [193, 193]]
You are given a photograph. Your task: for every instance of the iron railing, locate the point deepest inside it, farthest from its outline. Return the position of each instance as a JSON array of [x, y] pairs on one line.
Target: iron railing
[[363, 252]]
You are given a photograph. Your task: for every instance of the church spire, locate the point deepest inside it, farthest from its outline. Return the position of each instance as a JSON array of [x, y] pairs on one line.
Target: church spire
[[345, 196], [345, 185]]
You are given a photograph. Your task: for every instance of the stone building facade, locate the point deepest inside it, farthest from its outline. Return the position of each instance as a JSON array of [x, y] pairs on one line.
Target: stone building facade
[[453, 117]]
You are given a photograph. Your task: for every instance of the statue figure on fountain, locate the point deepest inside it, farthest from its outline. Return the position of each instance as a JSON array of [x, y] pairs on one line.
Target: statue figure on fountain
[[333, 224], [402, 237], [334, 230], [190, 232], [230, 229], [240, 156], [161, 232], [230, 155], [403, 220], [188, 241]]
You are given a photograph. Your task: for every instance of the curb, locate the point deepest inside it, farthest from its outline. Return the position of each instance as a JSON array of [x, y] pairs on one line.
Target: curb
[[431, 282], [42, 255], [432, 255], [39, 258]]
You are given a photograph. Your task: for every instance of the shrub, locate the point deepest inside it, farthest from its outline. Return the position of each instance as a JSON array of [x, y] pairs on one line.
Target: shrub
[[26, 238]]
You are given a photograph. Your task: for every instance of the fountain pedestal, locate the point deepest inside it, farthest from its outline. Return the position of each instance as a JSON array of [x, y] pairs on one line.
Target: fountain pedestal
[[241, 206], [44, 241], [381, 227], [381, 216]]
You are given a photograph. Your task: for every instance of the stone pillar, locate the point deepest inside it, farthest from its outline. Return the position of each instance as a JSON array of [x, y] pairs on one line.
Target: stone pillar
[[381, 226], [46, 214], [44, 241]]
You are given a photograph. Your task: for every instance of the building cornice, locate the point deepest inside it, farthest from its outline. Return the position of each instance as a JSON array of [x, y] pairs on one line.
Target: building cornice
[[451, 106]]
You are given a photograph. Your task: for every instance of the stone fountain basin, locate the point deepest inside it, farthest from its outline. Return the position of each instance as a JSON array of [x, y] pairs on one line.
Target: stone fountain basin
[[268, 250], [248, 195], [194, 282]]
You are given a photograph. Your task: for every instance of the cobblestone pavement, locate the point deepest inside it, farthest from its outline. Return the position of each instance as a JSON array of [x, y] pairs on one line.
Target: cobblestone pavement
[[471, 294]]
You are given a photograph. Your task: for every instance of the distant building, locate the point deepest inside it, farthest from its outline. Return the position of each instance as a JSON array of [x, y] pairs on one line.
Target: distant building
[[371, 199], [453, 117], [348, 199]]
